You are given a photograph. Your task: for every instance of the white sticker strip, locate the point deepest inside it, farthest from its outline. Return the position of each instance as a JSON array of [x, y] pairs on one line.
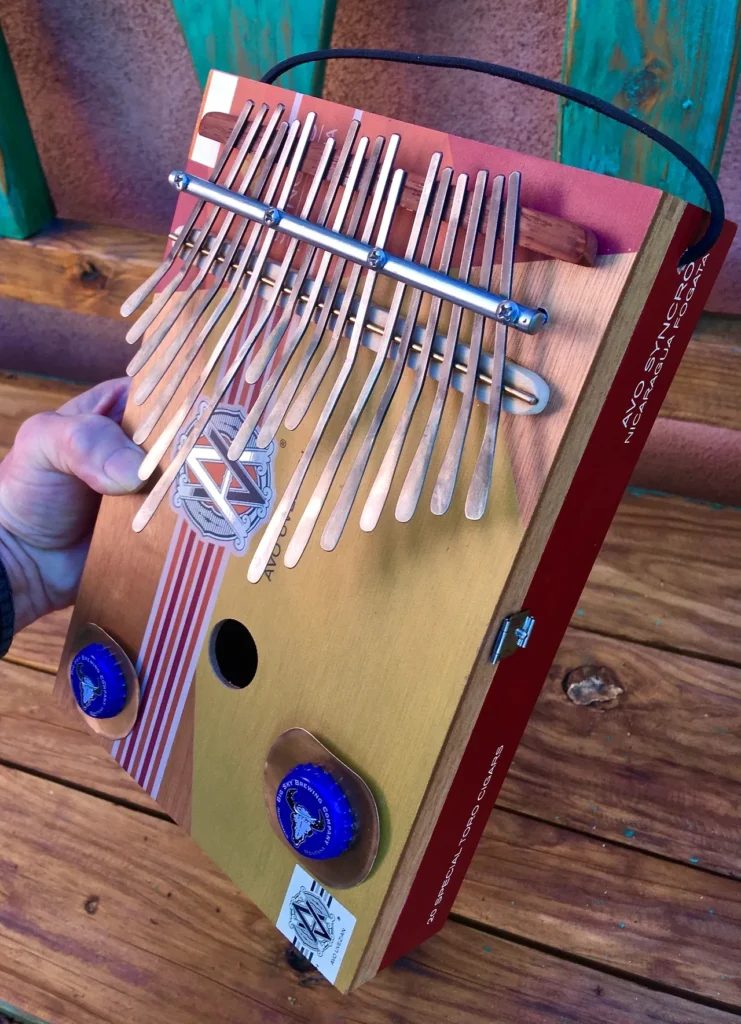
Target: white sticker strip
[[220, 94], [319, 927]]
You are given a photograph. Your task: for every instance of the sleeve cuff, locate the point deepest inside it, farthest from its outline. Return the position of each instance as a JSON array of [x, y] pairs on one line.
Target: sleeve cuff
[[7, 612]]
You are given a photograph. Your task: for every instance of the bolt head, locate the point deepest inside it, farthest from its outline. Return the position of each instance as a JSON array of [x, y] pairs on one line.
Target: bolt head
[[179, 179], [508, 312], [376, 259], [271, 218]]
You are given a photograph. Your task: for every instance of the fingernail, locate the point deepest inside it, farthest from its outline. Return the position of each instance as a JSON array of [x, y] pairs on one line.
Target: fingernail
[[122, 468]]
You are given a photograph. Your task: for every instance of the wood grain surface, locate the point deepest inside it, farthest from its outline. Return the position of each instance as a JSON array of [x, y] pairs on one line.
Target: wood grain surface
[[38, 735], [707, 386], [84, 268], [39, 646], [607, 903], [673, 65], [669, 574], [559, 884], [658, 768], [108, 914]]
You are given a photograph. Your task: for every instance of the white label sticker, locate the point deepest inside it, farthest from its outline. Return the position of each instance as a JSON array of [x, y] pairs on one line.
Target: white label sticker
[[317, 925]]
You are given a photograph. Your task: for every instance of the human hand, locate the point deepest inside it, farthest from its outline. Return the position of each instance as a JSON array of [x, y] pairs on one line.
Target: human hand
[[50, 482]]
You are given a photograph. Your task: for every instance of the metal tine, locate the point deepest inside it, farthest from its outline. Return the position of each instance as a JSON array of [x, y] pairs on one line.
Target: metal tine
[[310, 304], [151, 503], [275, 417], [274, 162], [446, 480], [382, 484], [308, 392], [257, 366], [338, 519], [279, 517], [159, 302], [417, 473], [142, 431], [478, 492], [278, 285], [331, 533], [306, 523], [137, 297], [151, 344], [160, 446]]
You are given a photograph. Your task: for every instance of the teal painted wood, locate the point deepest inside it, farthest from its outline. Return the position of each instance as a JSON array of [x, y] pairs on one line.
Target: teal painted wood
[[25, 203], [246, 37], [673, 63], [11, 1013]]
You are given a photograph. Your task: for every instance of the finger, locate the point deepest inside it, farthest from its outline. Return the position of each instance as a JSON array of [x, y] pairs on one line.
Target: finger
[[106, 399], [88, 446]]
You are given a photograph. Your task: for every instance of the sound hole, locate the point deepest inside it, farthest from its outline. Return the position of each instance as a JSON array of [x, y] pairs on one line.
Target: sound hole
[[233, 653]]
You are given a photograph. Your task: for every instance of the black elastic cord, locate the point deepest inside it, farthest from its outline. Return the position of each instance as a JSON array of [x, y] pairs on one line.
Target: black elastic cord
[[693, 165]]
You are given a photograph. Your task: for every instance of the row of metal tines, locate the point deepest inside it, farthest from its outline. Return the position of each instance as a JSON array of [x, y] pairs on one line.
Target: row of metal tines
[[325, 295]]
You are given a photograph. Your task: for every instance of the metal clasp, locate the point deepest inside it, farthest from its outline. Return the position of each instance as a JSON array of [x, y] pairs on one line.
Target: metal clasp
[[514, 632]]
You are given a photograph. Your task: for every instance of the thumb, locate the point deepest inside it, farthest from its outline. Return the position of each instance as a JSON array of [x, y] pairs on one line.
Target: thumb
[[87, 446]]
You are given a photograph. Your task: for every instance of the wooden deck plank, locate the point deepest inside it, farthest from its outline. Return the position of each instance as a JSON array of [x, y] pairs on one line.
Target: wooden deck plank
[[645, 778], [37, 734], [708, 383], [658, 768], [40, 645], [662, 763], [86, 268], [669, 574], [107, 914], [607, 904], [92, 268]]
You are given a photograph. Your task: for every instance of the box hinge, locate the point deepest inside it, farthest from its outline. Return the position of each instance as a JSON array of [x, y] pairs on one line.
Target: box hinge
[[514, 632]]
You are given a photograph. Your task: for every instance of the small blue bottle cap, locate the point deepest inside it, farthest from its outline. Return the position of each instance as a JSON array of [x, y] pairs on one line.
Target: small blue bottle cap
[[98, 681], [314, 813]]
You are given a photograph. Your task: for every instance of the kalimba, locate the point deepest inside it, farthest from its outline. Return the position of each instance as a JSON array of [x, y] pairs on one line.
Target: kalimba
[[392, 384]]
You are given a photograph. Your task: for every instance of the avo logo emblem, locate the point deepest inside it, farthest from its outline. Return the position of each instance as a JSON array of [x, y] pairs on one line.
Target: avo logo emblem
[[311, 920], [225, 499]]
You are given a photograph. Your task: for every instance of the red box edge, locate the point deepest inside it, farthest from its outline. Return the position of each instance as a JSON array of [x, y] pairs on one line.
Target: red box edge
[[582, 524]]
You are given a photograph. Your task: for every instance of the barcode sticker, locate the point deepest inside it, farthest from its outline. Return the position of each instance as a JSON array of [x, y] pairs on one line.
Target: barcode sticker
[[317, 925]]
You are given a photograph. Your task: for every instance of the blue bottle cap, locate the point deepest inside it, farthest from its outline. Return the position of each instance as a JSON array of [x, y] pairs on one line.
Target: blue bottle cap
[[98, 681], [314, 813]]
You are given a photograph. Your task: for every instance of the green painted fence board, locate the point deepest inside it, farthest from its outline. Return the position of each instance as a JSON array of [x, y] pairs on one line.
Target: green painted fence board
[[246, 37], [673, 63], [25, 203]]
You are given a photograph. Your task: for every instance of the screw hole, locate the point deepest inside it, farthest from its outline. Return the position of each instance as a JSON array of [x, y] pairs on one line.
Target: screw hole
[[233, 653]]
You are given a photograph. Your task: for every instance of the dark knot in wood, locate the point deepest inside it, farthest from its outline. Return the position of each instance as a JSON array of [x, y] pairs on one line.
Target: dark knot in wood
[[593, 684], [90, 276], [642, 89]]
